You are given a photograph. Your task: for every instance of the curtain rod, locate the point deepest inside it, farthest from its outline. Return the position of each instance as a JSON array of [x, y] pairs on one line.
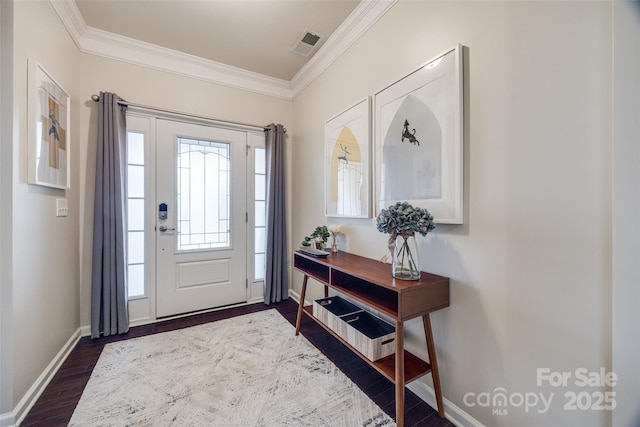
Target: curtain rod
[[96, 98]]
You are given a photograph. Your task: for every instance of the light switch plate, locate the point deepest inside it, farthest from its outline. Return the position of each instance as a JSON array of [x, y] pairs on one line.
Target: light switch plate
[[62, 208]]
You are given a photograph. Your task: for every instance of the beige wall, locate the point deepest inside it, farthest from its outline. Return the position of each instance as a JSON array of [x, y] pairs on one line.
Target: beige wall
[[47, 285], [45, 248], [530, 268], [6, 119]]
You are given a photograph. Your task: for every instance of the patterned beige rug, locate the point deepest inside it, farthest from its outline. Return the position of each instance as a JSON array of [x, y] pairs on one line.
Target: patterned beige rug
[[245, 371]]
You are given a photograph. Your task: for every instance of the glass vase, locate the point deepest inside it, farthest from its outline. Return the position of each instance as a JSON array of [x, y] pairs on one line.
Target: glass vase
[[405, 258]]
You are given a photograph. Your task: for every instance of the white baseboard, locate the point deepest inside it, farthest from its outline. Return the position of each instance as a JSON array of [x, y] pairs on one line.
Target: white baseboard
[[15, 417], [296, 297], [452, 412], [85, 331]]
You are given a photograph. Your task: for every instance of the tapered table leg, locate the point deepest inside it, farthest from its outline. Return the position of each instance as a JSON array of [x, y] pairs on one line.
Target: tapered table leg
[[399, 373], [301, 305], [431, 349]]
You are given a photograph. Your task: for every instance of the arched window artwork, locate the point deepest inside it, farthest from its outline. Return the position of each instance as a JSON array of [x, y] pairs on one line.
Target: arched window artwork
[[418, 124], [346, 175], [347, 185], [412, 167]]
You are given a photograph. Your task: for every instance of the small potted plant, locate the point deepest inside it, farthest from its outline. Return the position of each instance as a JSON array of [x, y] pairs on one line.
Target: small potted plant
[[317, 239]]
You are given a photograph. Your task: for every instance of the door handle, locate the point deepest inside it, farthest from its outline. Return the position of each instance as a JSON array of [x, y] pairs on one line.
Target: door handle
[[163, 228]]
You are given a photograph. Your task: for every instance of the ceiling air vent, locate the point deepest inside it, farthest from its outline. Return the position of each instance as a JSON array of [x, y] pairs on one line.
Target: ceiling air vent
[[307, 43]]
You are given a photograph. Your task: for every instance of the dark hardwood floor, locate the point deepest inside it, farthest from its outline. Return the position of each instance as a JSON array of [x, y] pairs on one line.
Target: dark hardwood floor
[[58, 401]]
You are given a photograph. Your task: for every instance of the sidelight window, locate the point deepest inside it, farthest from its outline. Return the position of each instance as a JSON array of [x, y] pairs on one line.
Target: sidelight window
[[135, 214]]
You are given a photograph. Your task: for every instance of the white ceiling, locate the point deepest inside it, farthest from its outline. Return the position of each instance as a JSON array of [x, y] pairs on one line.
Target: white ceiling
[[254, 35], [238, 43], [243, 44]]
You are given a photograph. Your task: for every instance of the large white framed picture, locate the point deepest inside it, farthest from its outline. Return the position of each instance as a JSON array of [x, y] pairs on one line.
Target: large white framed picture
[[49, 121], [418, 137], [348, 162]]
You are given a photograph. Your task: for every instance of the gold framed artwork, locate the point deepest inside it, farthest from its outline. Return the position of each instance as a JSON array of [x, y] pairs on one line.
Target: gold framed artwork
[[49, 121], [419, 139], [348, 162]]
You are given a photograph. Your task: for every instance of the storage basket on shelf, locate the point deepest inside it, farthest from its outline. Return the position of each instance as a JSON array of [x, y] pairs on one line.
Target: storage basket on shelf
[[329, 310], [370, 335]]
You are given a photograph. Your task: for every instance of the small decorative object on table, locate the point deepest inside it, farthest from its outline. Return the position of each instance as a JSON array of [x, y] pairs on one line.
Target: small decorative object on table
[[401, 221], [318, 238], [334, 229]]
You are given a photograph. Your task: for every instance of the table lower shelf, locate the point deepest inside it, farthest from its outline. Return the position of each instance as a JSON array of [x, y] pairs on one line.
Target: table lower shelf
[[414, 367]]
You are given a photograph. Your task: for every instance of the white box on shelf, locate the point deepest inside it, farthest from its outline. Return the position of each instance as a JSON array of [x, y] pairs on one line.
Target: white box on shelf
[[329, 310], [370, 335]]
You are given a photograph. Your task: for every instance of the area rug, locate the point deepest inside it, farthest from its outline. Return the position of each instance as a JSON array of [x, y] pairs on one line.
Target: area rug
[[249, 370]]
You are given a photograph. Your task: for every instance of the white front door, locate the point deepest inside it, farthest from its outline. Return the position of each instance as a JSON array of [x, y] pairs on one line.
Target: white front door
[[201, 229]]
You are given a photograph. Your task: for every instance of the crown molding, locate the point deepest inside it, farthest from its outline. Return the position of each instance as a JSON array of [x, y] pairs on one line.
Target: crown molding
[[361, 19], [113, 46], [102, 43]]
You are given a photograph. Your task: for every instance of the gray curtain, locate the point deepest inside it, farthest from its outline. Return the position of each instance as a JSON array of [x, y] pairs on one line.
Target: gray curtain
[[109, 311], [276, 278]]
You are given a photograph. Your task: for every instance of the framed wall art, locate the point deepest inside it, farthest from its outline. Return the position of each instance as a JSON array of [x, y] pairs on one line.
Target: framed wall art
[[419, 139], [49, 120], [348, 162]]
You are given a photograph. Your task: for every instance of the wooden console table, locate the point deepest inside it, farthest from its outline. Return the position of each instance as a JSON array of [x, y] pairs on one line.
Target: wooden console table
[[370, 282]]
